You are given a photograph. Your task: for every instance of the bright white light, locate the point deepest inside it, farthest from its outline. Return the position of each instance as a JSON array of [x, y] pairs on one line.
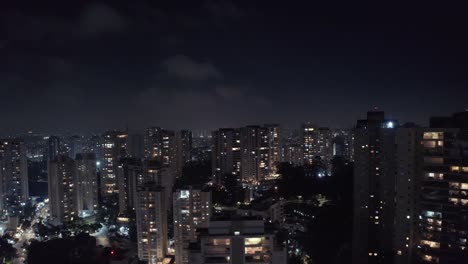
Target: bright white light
[[98, 163], [390, 124]]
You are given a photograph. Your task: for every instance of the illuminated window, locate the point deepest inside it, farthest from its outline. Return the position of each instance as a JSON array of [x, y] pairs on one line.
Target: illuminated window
[[253, 240], [221, 242], [433, 135], [431, 244], [455, 168], [184, 194], [253, 250]]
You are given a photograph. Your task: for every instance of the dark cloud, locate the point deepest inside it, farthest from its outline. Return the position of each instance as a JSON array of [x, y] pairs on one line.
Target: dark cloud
[[100, 18], [224, 9], [228, 91], [89, 65], [182, 67]]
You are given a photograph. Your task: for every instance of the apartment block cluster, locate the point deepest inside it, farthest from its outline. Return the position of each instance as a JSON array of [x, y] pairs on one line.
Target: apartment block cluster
[[411, 190], [252, 153]]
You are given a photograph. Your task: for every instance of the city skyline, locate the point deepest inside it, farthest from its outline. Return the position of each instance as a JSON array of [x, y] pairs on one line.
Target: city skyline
[[233, 132]]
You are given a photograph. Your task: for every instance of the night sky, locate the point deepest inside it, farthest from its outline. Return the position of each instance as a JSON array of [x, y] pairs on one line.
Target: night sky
[[92, 65]]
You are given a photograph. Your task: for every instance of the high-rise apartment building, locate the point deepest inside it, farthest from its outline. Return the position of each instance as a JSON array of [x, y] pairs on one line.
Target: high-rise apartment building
[[443, 185], [151, 216], [226, 154], [251, 153], [136, 146], [161, 145], [237, 241], [129, 177], [86, 184], [114, 147], [293, 154], [14, 188], [343, 144], [62, 189], [254, 154], [183, 141], [53, 147], [316, 142], [408, 171], [153, 142], [374, 189], [191, 210], [274, 148], [324, 146], [309, 139]]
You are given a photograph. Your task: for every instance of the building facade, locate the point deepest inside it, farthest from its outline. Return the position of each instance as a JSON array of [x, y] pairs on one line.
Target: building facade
[[191, 210], [114, 147], [226, 154], [151, 216], [62, 189], [14, 188], [86, 184], [374, 189]]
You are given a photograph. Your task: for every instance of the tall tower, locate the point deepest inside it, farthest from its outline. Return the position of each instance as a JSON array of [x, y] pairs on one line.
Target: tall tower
[[374, 189], [153, 143], [14, 189], [444, 191], [86, 184], [254, 154], [183, 144], [309, 141], [129, 176], [62, 190], [53, 147], [274, 148], [192, 210], [226, 157], [114, 147], [151, 216]]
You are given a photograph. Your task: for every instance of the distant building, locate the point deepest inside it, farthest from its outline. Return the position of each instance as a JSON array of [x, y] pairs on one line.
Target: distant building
[[316, 142], [62, 189], [153, 143], [343, 144], [226, 154], [151, 216], [254, 154], [86, 184], [53, 147], [293, 154], [129, 177], [237, 241], [160, 145], [374, 189], [274, 148], [114, 147], [136, 146], [309, 141], [14, 188], [192, 210], [183, 146]]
